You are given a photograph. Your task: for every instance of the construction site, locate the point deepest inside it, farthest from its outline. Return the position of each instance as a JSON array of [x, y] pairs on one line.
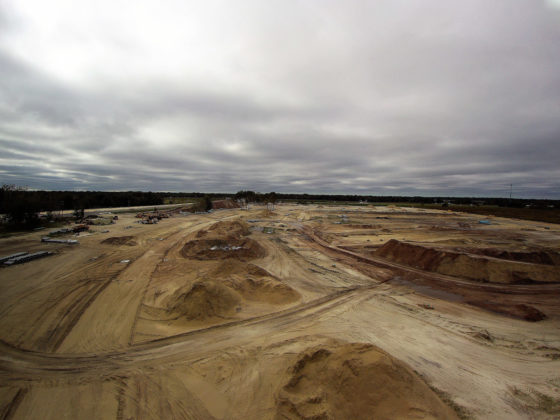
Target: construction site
[[282, 312]]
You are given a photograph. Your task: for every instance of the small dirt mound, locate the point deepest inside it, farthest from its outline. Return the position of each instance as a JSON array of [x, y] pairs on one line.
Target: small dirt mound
[[205, 299], [464, 263], [120, 240], [356, 381], [217, 249], [266, 214], [225, 204]]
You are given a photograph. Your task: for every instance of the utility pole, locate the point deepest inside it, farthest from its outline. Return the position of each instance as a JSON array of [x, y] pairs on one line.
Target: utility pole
[[510, 190]]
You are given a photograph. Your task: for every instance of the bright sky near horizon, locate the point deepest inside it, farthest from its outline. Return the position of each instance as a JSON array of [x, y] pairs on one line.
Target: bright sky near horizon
[[388, 97]]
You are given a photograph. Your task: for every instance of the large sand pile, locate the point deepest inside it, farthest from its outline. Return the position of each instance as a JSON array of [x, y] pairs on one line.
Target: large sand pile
[[475, 266], [222, 290], [224, 240], [225, 229], [256, 284], [120, 240], [203, 300], [356, 381]]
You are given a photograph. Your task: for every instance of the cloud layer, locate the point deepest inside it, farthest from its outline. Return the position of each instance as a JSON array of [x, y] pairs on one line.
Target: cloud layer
[[386, 97]]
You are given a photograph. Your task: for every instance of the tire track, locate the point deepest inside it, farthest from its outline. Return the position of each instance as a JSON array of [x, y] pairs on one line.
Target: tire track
[[14, 404], [145, 291], [22, 364], [59, 334]]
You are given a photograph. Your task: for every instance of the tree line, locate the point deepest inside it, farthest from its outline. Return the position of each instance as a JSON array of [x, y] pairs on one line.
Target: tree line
[[252, 196], [22, 206]]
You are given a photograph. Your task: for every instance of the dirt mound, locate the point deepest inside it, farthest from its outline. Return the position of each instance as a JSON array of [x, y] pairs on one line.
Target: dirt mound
[[266, 214], [462, 263], [533, 257], [224, 240], [235, 267], [203, 300], [255, 283], [263, 290], [233, 228], [225, 204], [217, 249], [120, 240], [356, 381], [225, 229], [520, 311]]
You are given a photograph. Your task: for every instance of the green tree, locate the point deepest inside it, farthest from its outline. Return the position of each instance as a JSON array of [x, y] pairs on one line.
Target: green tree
[[207, 203], [21, 206]]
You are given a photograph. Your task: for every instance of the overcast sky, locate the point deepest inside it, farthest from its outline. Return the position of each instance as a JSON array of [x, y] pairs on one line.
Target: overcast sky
[[431, 97]]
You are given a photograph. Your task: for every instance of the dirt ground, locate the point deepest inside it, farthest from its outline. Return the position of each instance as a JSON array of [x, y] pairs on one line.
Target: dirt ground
[[304, 312]]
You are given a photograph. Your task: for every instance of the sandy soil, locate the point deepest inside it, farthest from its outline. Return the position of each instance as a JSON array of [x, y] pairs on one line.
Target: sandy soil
[[306, 312]]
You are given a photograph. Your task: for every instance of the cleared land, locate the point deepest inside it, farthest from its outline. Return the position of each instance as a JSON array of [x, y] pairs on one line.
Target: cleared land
[[305, 312]]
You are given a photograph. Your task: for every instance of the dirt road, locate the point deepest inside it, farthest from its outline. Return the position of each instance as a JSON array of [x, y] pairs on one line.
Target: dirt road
[[287, 314]]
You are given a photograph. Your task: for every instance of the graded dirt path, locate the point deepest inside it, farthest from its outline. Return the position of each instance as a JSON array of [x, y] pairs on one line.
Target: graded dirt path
[[291, 314]]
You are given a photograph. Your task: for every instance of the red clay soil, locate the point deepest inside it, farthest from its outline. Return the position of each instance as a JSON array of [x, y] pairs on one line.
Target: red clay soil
[[225, 204], [533, 257], [475, 266]]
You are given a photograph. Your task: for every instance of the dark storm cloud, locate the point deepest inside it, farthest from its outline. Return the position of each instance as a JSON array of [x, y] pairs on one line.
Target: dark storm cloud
[[383, 97]]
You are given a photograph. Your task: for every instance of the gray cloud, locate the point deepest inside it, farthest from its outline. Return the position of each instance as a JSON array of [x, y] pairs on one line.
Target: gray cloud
[[381, 97]]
